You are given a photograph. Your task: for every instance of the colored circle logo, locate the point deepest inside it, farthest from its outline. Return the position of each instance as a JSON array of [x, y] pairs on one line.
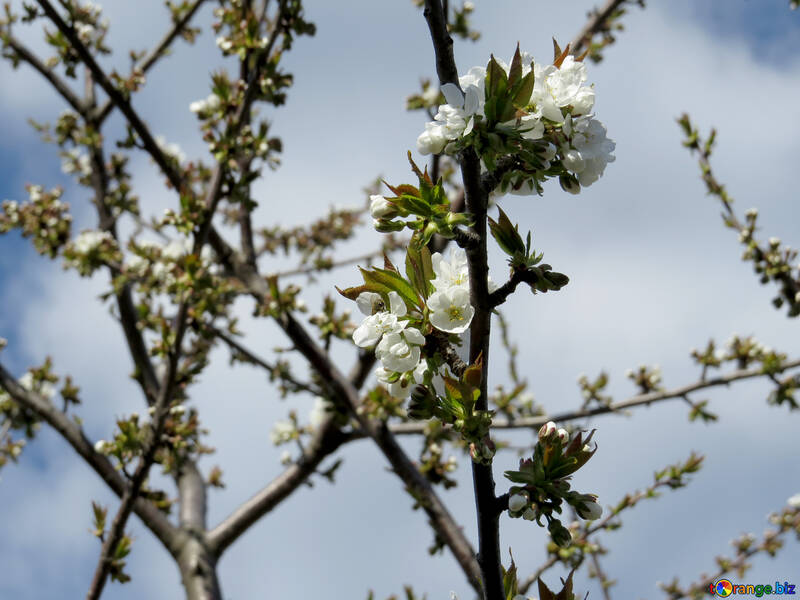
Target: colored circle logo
[[723, 588]]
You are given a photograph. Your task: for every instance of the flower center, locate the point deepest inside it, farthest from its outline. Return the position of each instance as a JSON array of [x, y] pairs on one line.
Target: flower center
[[455, 313]]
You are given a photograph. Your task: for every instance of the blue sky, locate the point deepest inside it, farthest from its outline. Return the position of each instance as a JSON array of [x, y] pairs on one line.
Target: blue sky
[[653, 274]]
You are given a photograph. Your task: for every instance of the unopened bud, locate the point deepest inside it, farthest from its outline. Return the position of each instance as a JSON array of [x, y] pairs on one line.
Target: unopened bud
[[569, 184], [517, 502], [563, 435], [547, 430]]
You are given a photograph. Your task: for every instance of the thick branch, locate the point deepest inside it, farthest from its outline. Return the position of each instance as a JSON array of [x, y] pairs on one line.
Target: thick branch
[[153, 519], [325, 442], [59, 84], [476, 202]]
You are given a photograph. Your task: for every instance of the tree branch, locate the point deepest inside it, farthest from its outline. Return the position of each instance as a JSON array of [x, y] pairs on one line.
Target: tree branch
[[152, 518], [157, 52], [345, 394], [633, 401], [476, 201], [598, 22], [257, 360], [58, 84], [326, 440]]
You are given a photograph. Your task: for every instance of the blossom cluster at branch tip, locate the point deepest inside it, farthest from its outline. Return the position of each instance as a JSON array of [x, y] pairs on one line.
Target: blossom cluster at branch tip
[[571, 141], [449, 305]]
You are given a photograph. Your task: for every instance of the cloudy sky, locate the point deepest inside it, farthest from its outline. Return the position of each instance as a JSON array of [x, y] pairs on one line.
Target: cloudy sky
[[653, 274]]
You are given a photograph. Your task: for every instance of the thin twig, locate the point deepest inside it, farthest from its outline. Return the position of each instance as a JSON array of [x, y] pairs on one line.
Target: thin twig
[[58, 84], [157, 52], [634, 401], [72, 433]]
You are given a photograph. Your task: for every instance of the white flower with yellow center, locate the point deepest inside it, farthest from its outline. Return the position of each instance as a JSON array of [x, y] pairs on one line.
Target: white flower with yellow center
[[452, 273], [450, 310], [378, 321]]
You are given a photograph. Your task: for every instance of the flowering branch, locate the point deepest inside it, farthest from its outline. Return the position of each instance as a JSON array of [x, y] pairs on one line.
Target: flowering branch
[[600, 21], [770, 261], [344, 393], [476, 203], [153, 519], [647, 399], [156, 53], [22, 52]]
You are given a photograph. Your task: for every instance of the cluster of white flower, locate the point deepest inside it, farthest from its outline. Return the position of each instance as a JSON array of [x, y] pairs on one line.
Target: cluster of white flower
[[170, 149], [282, 432], [319, 412], [210, 104], [44, 388], [561, 102], [74, 161], [89, 241], [450, 308], [167, 255], [398, 344]]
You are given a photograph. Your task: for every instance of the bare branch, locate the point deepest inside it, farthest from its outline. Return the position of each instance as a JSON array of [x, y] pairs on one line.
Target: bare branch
[[157, 52], [153, 519], [59, 84], [326, 441], [597, 23], [248, 354], [616, 407]]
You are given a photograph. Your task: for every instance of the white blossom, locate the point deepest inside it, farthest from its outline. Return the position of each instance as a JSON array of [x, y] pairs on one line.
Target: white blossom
[[88, 241], [282, 432], [563, 435], [382, 322], [452, 273], [319, 412], [380, 206], [211, 103], [794, 501], [590, 150], [170, 149], [547, 430], [557, 88], [400, 351], [589, 509], [451, 310], [517, 502], [100, 446], [44, 388]]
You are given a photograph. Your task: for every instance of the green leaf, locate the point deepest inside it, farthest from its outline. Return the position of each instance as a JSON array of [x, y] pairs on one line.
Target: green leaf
[[515, 71], [496, 78], [384, 281], [506, 234], [352, 293], [419, 268], [523, 90]]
